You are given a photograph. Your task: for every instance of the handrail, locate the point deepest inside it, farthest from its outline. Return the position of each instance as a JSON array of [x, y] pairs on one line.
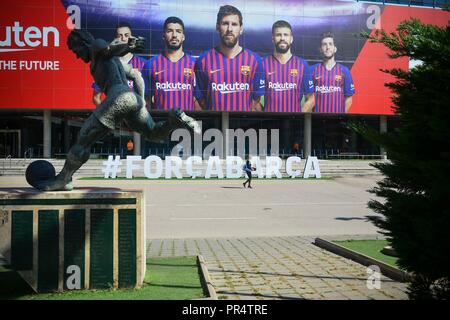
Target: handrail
[[4, 163], [26, 155], [28, 152]]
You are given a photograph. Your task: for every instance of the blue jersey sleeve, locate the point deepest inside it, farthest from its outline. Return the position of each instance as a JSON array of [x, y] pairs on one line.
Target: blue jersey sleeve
[[349, 87], [96, 87], [307, 86], [201, 80], [259, 81], [197, 93], [146, 76]]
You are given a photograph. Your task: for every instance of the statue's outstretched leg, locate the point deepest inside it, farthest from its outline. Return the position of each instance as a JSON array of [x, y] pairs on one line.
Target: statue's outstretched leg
[[143, 123], [79, 153]]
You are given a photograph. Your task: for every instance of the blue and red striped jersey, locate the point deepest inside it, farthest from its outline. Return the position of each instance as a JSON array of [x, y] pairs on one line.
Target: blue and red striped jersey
[[229, 84], [171, 84], [286, 84], [332, 86], [136, 62]]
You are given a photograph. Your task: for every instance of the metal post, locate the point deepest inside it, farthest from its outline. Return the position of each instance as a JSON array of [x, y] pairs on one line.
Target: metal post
[[137, 144], [307, 134], [47, 133], [225, 126]]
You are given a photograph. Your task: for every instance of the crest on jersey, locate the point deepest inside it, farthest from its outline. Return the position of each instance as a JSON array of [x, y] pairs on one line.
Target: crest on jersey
[[187, 72], [245, 70], [294, 72], [338, 77]]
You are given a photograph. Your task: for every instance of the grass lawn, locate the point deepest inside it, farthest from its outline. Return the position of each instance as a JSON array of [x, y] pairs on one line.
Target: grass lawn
[[370, 248], [166, 279]]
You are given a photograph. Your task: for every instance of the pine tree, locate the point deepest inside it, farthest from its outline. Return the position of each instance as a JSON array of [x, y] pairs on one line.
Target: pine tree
[[416, 186]]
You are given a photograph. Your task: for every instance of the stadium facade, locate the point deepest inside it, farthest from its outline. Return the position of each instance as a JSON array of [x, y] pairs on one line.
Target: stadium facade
[[47, 93]]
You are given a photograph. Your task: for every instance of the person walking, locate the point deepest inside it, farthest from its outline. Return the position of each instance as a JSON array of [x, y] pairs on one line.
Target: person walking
[[248, 171]]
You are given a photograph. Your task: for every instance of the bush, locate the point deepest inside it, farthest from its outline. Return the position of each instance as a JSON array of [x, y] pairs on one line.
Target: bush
[[416, 185]]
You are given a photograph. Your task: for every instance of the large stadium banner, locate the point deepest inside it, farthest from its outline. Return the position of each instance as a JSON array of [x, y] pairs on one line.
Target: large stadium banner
[[38, 70]]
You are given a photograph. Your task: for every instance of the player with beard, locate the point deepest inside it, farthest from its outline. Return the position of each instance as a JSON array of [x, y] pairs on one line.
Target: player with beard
[[229, 77], [169, 77], [333, 82], [288, 77]]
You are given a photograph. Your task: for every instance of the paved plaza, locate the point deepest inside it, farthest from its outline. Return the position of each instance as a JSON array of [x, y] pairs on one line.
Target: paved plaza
[[258, 243], [278, 268]]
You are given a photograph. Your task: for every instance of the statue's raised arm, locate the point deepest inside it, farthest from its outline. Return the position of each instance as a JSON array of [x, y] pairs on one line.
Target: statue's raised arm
[[87, 48], [103, 50]]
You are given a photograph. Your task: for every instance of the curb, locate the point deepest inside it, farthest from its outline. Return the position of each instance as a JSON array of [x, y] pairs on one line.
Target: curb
[[205, 279], [387, 270]]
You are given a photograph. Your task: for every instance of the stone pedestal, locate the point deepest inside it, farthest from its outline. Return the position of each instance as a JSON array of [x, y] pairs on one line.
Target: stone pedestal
[[83, 239]]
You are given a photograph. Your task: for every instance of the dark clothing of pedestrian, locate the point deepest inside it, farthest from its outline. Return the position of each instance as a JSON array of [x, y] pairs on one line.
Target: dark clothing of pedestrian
[[248, 171]]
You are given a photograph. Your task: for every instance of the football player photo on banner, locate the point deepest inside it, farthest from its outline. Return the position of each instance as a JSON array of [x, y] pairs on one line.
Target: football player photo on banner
[[263, 56]]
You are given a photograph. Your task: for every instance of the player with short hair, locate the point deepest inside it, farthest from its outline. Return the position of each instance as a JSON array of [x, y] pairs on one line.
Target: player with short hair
[[333, 82], [123, 33], [288, 77], [229, 77], [169, 77]]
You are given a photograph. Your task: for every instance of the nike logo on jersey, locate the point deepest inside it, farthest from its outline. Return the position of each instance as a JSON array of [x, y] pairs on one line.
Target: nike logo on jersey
[[214, 71], [271, 73], [158, 72]]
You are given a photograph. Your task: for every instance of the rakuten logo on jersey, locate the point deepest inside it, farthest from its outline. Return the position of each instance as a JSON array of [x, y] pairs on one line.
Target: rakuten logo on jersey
[[16, 36], [230, 87], [169, 86], [277, 86], [327, 89]]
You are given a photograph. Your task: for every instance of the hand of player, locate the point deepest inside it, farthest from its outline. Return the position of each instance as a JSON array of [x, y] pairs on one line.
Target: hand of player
[[136, 44]]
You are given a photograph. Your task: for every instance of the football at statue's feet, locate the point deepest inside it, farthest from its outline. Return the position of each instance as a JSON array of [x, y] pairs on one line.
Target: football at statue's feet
[[39, 171]]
